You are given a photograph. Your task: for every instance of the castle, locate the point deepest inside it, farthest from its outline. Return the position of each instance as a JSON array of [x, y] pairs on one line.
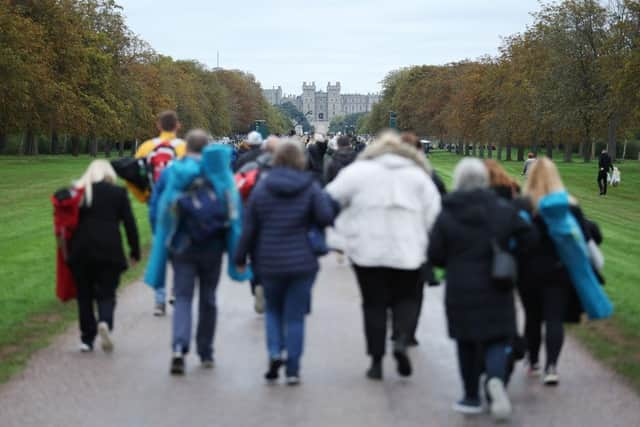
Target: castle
[[321, 107]]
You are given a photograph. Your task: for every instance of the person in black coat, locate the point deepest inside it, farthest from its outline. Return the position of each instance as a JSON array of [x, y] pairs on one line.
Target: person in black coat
[[546, 290], [481, 317], [96, 257], [315, 157], [254, 140], [343, 157], [605, 165]]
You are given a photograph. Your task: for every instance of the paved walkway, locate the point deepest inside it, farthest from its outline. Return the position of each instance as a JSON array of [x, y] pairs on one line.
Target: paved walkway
[[131, 387]]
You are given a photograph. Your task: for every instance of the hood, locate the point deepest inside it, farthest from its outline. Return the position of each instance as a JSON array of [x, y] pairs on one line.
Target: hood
[[345, 154], [287, 182], [470, 207], [399, 149]]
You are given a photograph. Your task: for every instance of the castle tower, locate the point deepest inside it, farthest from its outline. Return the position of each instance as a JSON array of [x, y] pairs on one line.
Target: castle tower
[[334, 106], [309, 100]]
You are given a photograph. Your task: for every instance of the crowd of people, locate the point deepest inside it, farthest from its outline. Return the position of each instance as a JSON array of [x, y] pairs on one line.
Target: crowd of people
[[267, 203]]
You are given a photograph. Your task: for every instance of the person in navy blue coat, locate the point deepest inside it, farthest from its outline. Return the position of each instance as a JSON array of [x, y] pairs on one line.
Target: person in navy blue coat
[[281, 210]]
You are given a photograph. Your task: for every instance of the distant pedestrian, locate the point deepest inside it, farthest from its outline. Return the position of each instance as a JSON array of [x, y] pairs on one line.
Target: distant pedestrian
[[254, 141], [341, 158], [605, 166], [531, 159], [97, 258], [280, 213], [315, 157], [159, 152], [481, 315], [389, 204]]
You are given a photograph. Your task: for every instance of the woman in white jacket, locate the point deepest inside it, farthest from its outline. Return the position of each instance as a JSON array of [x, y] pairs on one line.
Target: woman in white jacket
[[388, 206]]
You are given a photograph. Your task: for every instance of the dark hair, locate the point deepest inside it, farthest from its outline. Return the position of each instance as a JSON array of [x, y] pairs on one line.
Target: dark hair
[[411, 139], [344, 141], [197, 139], [168, 120], [531, 155]]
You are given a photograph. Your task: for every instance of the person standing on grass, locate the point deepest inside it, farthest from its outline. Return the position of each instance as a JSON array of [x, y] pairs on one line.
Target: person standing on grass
[[97, 258], [481, 316], [389, 204], [159, 152], [281, 210], [531, 159], [605, 166], [545, 286]]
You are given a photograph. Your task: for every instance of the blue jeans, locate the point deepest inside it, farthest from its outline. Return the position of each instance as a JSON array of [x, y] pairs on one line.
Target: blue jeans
[[205, 266], [160, 295], [287, 297], [475, 358]]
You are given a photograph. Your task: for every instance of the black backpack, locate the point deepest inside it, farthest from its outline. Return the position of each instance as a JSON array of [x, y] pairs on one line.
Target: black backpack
[[204, 215]]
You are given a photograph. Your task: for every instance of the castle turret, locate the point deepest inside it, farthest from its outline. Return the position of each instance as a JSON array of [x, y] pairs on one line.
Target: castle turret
[[309, 100], [334, 101]]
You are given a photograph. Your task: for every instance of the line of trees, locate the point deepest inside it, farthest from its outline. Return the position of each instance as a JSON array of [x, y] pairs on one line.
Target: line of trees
[[72, 71], [572, 79]]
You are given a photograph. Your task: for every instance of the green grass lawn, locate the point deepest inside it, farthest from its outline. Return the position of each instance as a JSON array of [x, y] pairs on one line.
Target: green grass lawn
[[615, 341], [29, 310]]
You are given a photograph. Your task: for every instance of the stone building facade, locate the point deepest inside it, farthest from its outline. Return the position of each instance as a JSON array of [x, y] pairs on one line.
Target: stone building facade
[[320, 106]]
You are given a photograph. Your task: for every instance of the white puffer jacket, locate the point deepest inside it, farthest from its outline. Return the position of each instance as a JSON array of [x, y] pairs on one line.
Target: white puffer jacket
[[389, 204]]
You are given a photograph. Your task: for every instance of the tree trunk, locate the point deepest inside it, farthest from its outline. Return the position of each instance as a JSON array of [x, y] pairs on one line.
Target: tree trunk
[[482, 151], [549, 146], [586, 151], [490, 152], [568, 152], [500, 150], [612, 145], [121, 149], [509, 153], [75, 146], [30, 144], [475, 150], [3, 141], [92, 143], [134, 148], [520, 153], [624, 150], [107, 148], [54, 142]]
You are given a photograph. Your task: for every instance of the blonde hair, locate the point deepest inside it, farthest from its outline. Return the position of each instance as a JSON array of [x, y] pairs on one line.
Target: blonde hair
[[543, 179], [98, 171]]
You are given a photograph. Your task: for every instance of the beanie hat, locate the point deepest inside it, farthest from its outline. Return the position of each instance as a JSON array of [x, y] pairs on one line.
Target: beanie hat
[[254, 138]]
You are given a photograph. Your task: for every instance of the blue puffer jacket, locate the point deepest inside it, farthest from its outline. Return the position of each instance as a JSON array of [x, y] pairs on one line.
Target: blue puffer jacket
[[280, 211], [215, 166]]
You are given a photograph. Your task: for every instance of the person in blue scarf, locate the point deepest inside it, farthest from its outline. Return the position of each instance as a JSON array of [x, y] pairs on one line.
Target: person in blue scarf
[[192, 258]]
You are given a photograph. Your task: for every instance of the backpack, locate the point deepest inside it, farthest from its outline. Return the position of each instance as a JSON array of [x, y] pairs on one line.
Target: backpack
[[159, 158], [202, 213], [245, 181]]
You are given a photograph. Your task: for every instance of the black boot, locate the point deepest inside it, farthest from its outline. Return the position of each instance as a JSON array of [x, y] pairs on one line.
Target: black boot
[[375, 371], [402, 359], [274, 366]]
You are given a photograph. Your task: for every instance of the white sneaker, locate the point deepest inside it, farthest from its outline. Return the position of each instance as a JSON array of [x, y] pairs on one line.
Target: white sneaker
[[500, 403], [105, 337], [85, 348], [293, 380], [258, 304], [551, 377]]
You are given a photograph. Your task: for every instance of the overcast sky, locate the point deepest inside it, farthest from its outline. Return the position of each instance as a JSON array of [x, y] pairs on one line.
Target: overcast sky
[[356, 42]]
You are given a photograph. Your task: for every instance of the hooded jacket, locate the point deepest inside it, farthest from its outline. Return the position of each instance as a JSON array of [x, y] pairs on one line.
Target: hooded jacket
[[315, 160], [461, 242], [389, 204], [214, 165], [342, 158], [279, 213]]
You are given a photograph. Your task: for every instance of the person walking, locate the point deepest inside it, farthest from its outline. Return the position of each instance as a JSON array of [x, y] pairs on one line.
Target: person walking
[[281, 211], [481, 316], [341, 158], [389, 204], [196, 221], [159, 152], [315, 157], [97, 258], [605, 166], [254, 141], [545, 286]]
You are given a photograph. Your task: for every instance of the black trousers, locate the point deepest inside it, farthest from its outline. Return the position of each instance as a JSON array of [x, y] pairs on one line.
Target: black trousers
[[602, 182], [474, 358], [548, 306], [386, 289], [97, 284]]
